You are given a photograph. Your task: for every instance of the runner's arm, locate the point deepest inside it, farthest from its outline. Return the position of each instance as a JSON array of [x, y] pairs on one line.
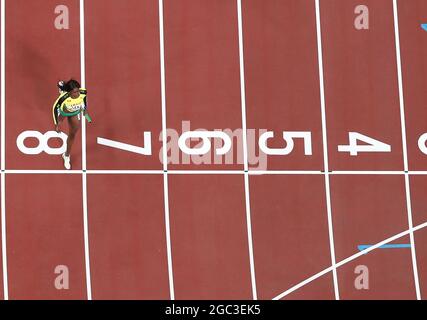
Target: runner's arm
[[55, 112], [85, 113]]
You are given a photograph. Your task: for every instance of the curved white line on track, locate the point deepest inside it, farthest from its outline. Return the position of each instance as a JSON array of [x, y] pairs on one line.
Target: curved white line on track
[[325, 147], [347, 260]]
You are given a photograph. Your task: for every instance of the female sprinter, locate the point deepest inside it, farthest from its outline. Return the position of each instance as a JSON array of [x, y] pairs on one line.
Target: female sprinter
[[70, 103]]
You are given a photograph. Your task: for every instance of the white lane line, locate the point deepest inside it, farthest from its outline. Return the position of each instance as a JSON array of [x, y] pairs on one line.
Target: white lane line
[[3, 84], [139, 172], [214, 172], [165, 162], [325, 147], [344, 172], [84, 176], [245, 149], [3, 236], [404, 147], [233, 172], [282, 172], [43, 171], [3, 149]]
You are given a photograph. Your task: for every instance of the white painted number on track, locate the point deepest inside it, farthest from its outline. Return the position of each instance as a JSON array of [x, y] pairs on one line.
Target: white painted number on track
[[372, 145], [146, 150], [288, 136], [422, 143], [43, 142], [206, 146]]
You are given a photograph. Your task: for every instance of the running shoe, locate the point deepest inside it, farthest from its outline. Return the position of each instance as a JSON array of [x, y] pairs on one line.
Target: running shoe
[[67, 161]]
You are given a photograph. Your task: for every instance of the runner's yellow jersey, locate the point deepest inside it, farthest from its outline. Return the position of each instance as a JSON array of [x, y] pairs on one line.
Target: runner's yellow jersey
[[67, 106]]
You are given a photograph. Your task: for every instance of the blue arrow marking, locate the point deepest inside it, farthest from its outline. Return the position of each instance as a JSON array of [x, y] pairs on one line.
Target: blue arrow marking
[[386, 246]]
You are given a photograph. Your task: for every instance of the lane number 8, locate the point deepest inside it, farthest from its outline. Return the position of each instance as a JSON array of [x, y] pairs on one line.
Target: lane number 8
[[43, 140]]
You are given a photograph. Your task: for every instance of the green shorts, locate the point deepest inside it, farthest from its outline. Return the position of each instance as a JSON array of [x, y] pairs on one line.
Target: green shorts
[[69, 114]]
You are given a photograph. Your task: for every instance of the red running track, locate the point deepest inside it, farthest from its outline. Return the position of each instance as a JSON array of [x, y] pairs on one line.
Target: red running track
[[226, 234]]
